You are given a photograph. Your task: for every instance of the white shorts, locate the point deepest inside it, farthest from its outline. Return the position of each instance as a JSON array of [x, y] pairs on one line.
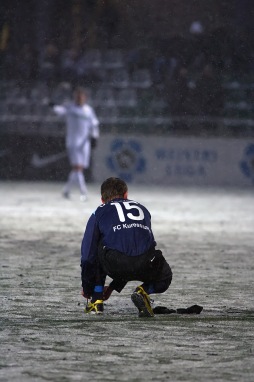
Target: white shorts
[[80, 155]]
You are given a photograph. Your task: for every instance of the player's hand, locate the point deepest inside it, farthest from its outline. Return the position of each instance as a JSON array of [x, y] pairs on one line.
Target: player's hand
[[85, 295], [107, 292], [93, 143]]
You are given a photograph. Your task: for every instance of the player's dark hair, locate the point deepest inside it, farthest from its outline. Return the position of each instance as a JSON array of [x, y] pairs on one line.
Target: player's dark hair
[[112, 188]]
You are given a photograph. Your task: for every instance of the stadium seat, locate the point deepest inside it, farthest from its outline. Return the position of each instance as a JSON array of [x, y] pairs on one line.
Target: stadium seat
[[119, 78], [16, 107], [113, 59], [92, 59], [104, 98], [141, 78], [158, 106], [107, 114], [89, 63], [39, 91], [62, 93], [126, 98]]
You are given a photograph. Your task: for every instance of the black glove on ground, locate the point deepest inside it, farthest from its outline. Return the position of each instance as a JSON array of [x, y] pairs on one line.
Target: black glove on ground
[[194, 309]]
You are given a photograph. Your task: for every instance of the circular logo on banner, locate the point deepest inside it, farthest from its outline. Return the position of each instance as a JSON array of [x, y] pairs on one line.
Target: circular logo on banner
[[247, 164], [126, 158]]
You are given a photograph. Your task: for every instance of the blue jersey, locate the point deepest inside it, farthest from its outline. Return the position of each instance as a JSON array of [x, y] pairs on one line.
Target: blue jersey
[[121, 224]]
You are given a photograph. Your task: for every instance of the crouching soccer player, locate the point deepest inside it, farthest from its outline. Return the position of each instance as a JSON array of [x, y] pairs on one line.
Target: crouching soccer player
[[118, 242]]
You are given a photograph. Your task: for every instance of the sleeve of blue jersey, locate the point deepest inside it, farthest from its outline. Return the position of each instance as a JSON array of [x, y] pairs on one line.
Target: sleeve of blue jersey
[[89, 246]]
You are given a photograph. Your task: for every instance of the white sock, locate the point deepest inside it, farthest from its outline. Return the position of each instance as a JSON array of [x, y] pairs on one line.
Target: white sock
[[72, 179], [81, 182]]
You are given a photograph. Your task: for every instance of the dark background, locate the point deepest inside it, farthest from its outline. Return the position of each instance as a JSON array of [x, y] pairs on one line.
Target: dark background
[[201, 81]]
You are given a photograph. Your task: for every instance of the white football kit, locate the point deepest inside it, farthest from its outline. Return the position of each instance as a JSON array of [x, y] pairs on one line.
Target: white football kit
[[81, 126]]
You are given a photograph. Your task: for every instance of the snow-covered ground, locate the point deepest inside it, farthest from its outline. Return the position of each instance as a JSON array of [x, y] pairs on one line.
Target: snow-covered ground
[[207, 236]]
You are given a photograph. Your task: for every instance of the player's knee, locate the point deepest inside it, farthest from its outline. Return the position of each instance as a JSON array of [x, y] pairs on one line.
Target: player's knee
[[163, 285], [77, 168]]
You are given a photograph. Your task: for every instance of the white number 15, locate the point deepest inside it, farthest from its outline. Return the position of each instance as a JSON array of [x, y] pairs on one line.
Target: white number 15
[[128, 206]]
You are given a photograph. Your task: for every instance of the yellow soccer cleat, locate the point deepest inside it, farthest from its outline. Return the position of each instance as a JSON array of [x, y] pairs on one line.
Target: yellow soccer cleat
[[94, 307], [142, 301]]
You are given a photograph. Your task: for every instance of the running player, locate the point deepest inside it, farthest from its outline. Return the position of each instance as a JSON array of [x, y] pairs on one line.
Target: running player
[[82, 131], [118, 242]]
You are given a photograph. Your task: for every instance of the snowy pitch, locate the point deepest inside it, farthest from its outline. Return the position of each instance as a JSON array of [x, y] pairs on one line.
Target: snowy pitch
[[207, 236]]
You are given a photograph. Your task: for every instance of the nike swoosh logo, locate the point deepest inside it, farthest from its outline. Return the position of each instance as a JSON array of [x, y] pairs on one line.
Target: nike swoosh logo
[[152, 259], [39, 162]]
